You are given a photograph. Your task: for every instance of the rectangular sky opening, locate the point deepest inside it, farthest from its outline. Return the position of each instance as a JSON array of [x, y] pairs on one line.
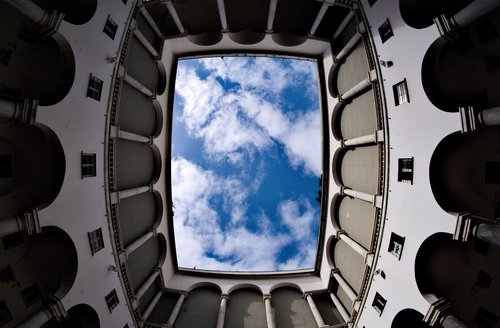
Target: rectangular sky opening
[[246, 163]]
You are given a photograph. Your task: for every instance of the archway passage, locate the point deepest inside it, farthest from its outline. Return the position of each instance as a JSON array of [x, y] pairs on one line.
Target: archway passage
[[79, 316], [245, 308], [466, 275], [290, 308], [420, 13], [464, 173], [200, 309], [409, 318]]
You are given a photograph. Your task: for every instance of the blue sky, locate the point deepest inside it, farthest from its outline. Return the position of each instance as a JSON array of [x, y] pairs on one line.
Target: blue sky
[[246, 159]]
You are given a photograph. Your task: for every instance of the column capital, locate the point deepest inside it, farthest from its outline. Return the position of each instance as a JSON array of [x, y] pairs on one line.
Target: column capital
[[463, 227], [437, 311], [267, 297], [224, 296], [335, 271], [339, 232]]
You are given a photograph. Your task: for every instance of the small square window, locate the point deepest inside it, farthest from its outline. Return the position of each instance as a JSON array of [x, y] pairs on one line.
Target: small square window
[[396, 245], [400, 91], [31, 294], [112, 300], [385, 31], [5, 315], [110, 28], [6, 166], [13, 240], [95, 88], [405, 170], [379, 303], [492, 172], [96, 241], [88, 165]]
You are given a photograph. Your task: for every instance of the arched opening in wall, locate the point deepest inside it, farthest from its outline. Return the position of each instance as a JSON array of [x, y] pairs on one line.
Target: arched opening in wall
[[465, 274], [145, 122], [164, 308], [200, 309], [358, 118], [465, 72], [138, 214], [350, 263], [360, 169], [35, 267], [330, 314], [245, 308], [146, 299], [247, 37], [288, 39], [46, 69], [357, 218], [420, 13], [40, 165], [79, 316], [463, 173], [338, 158], [142, 67], [330, 247], [137, 164], [75, 12], [354, 69], [336, 120], [290, 308], [144, 260], [333, 75], [409, 318]]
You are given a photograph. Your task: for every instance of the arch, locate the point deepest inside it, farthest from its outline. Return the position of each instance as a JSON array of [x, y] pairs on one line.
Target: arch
[[245, 308], [288, 39], [145, 259], [79, 316], [159, 118], [330, 246], [206, 38], [458, 172], [336, 119], [360, 169], [357, 218], [330, 314], [162, 78], [338, 157], [461, 273], [354, 69], [163, 249], [244, 286], [47, 70], [333, 76], [334, 210], [290, 307], [164, 308], [144, 68], [137, 164], [350, 263], [286, 285], [247, 37], [138, 214], [204, 284], [409, 318], [39, 170], [359, 118], [200, 309]]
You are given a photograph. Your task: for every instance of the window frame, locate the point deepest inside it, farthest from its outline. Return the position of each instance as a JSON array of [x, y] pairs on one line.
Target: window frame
[[96, 240], [88, 164], [94, 87]]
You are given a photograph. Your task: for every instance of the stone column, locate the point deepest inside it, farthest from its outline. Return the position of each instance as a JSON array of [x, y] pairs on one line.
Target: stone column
[[315, 311], [142, 39], [340, 307], [349, 45], [151, 306], [138, 243], [474, 11], [49, 23], [145, 286], [488, 233], [378, 136], [122, 73], [450, 321], [222, 311], [344, 24], [176, 310], [361, 86], [27, 221], [271, 14], [344, 285], [490, 117], [122, 194], [147, 17], [373, 199], [269, 312], [175, 17], [115, 132], [37, 320], [355, 246]]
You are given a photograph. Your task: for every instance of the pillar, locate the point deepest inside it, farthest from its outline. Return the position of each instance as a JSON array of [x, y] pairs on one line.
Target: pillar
[[151, 306], [28, 221], [37, 320], [222, 311], [361, 86], [269, 312], [222, 14], [355, 246], [378, 136], [145, 286], [451, 322], [49, 23], [344, 285], [271, 14], [474, 11], [344, 24], [315, 311], [22, 113], [175, 17], [151, 22], [138, 243], [319, 18], [349, 45], [117, 133], [122, 73], [488, 233], [122, 194], [176, 310], [490, 117], [142, 39], [373, 199], [340, 307]]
